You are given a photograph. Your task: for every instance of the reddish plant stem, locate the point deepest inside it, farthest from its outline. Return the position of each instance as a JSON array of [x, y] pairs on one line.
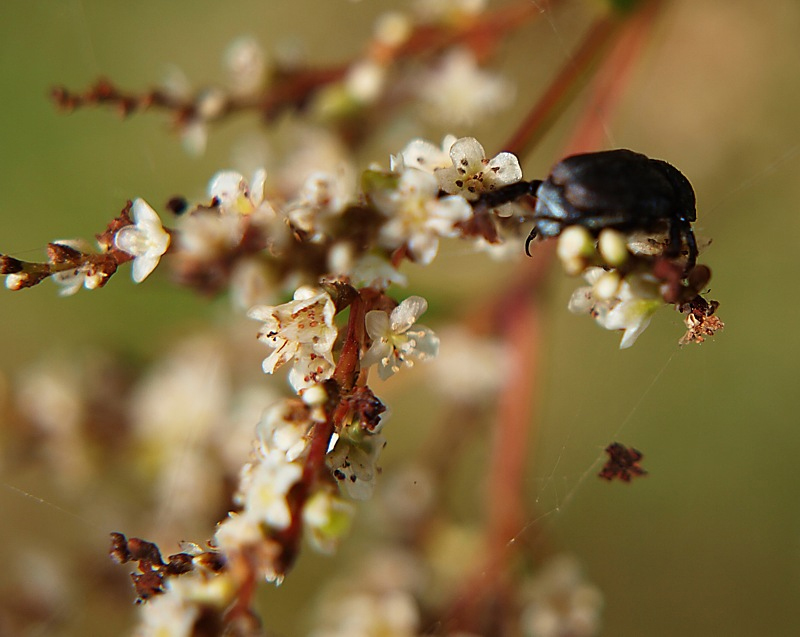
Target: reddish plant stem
[[610, 82], [564, 87], [336, 412], [518, 319], [347, 368]]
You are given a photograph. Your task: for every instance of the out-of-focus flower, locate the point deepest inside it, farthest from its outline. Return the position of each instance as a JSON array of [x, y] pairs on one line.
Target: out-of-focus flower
[[417, 216], [423, 155], [297, 329], [365, 80], [207, 234], [374, 271], [175, 612], [308, 150], [448, 11], [323, 196], [327, 518], [460, 92], [264, 485], [242, 534], [235, 194], [284, 427], [175, 410], [146, 240], [394, 343], [562, 603], [246, 64], [391, 614], [468, 368]]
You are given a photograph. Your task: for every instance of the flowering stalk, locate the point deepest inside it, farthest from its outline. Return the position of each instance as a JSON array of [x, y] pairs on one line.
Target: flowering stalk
[[335, 239]]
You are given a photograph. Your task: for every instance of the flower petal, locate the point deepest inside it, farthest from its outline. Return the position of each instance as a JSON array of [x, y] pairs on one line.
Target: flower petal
[[407, 313]]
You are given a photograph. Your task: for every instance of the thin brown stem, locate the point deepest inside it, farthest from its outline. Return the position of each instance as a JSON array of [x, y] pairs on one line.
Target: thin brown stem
[[295, 88]]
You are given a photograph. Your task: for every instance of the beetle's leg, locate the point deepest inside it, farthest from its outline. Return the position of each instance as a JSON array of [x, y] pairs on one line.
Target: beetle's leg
[[691, 242], [680, 231], [509, 193], [676, 232], [531, 237]]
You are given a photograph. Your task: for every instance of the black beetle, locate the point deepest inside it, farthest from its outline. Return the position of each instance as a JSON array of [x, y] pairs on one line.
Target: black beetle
[[617, 189]]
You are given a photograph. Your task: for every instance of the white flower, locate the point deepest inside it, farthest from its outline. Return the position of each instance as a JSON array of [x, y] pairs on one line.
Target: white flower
[[417, 216], [365, 81], [423, 155], [246, 64], [471, 173], [298, 329], [264, 486], [327, 518], [354, 461], [240, 533], [284, 427], [194, 137], [310, 368], [460, 92], [70, 281], [394, 343], [146, 240], [632, 316], [618, 304], [374, 271], [206, 234], [235, 194], [324, 195], [362, 613], [237, 531]]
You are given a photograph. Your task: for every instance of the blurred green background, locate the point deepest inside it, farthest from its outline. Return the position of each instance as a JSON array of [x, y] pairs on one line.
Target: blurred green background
[[709, 543]]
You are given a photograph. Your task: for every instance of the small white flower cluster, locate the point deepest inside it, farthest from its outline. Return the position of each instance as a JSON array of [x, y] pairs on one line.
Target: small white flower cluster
[[302, 331], [616, 300], [277, 465], [459, 92], [252, 244], [416, 216]]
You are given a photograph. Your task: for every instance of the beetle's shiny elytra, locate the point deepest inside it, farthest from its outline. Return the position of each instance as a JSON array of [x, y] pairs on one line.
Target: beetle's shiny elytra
[[616, 189]]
